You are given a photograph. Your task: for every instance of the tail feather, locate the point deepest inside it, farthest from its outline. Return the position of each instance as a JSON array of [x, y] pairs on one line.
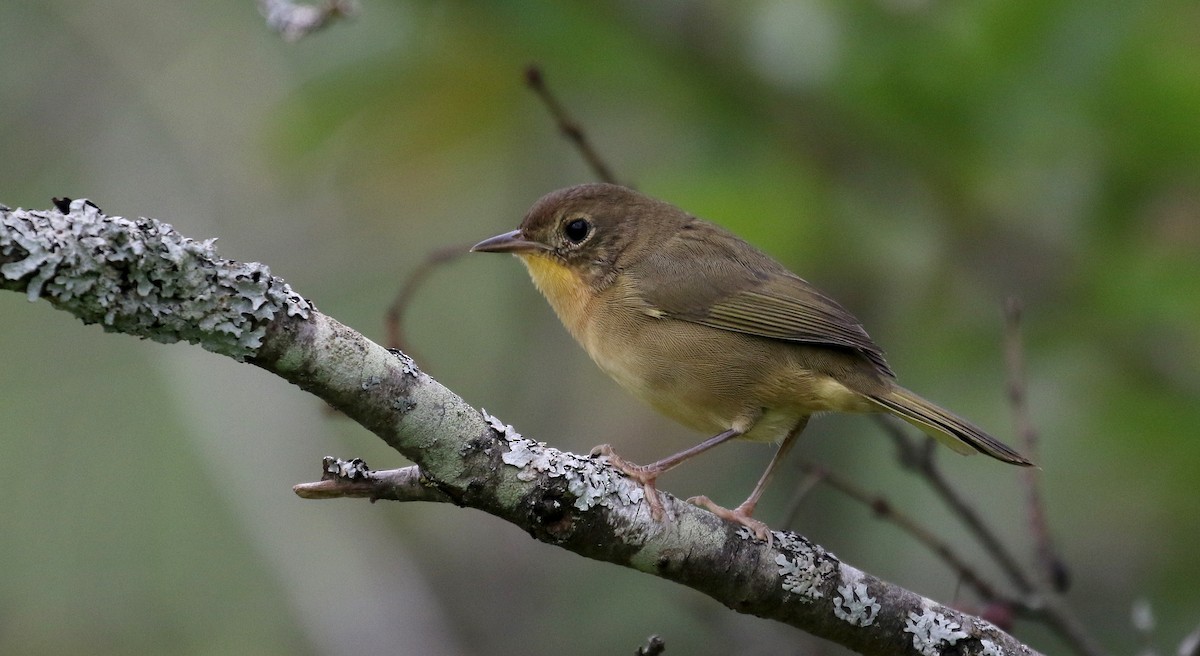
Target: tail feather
[[955, 432]]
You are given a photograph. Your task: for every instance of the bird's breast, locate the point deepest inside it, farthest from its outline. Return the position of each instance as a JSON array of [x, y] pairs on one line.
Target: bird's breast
[[703, 377], [566, 292]]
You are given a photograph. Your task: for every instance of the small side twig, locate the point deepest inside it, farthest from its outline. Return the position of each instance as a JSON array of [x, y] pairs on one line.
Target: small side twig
[[886, 511], [1048, 607], [567, 125], [920, 458], [797, 501], [1050, 566], [343, 479], [394, 319]]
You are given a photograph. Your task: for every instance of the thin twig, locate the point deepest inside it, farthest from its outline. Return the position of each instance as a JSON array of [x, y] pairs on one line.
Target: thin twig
[[1050, 566], [353, 479], [797, 501], [884, 510], [567, 125], [921, 460], [394, 319], [1048, 607]]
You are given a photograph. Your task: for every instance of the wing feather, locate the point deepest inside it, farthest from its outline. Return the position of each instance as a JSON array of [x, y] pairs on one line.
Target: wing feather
[[705, 275]]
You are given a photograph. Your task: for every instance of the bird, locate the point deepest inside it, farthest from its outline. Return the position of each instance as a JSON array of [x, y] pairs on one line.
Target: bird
[[710, 331]]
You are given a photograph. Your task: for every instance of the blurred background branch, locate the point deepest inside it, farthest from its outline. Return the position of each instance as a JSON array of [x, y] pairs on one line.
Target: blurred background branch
[[293, 21]]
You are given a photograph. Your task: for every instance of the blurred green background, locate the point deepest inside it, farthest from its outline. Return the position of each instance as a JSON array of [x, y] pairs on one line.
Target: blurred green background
[[919, 160]]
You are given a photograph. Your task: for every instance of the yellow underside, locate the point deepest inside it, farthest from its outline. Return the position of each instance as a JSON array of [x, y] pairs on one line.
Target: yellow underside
[[567, 294]]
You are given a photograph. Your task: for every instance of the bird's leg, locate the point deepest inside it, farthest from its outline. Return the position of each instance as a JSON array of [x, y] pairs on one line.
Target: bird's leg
[[647, 475], [742, 514]]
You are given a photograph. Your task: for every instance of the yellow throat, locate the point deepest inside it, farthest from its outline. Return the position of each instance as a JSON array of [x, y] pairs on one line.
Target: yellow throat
[[563, 288]]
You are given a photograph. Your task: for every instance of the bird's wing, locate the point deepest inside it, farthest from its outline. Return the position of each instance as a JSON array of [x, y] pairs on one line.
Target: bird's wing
[[743, 292]]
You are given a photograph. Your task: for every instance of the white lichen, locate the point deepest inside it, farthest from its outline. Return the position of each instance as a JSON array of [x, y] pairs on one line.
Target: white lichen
[[408, 366], [792, 541], [353, 469], [854, 604], [592, 483], [505, 430], [989, 648], [932, 631], [141, 277], [802, 567]]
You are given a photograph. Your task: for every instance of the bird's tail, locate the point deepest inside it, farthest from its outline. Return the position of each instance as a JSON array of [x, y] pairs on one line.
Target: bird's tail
[[955, 432]]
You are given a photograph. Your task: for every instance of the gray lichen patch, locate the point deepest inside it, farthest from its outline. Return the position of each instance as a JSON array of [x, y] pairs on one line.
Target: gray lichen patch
[[932, 632], [351, 470], [143, 278], [408, 366], [855, 605], [803, 566], [588, 480]]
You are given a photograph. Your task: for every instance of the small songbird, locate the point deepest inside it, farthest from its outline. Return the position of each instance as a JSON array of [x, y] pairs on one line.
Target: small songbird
[[709, 330]]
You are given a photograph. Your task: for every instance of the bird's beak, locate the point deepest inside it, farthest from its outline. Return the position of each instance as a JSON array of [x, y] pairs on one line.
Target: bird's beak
[[509, 242]]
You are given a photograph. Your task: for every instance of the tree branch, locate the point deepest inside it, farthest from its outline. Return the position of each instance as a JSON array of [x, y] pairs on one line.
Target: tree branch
[[1051, 568], [145, 279], [919, 457], [885, 510], [570, 128], [353, 479], [1045, 603]]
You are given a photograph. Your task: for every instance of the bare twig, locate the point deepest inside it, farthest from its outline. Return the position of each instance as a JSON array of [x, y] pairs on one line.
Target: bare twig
[[353, 479], [1050, 566], [394, 319], [797, 501], [920, 459], [567, 125], [1048, 607], [885, 510]]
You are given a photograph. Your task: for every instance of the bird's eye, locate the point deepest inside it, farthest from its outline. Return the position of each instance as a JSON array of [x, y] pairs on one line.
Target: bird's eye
[[577, 230]]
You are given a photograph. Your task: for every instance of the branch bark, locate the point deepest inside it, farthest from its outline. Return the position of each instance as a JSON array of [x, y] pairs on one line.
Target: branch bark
[[141, 277]]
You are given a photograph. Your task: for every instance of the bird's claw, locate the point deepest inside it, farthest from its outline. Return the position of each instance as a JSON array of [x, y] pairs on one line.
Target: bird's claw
[[739, 515], [638, 473]]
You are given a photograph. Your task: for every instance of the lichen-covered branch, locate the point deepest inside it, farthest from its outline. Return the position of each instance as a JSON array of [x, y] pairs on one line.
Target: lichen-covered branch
[[141, 277]]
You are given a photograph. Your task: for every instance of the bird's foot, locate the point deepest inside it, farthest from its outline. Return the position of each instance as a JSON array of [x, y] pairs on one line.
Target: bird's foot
[[739, 515], [645, 476]]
